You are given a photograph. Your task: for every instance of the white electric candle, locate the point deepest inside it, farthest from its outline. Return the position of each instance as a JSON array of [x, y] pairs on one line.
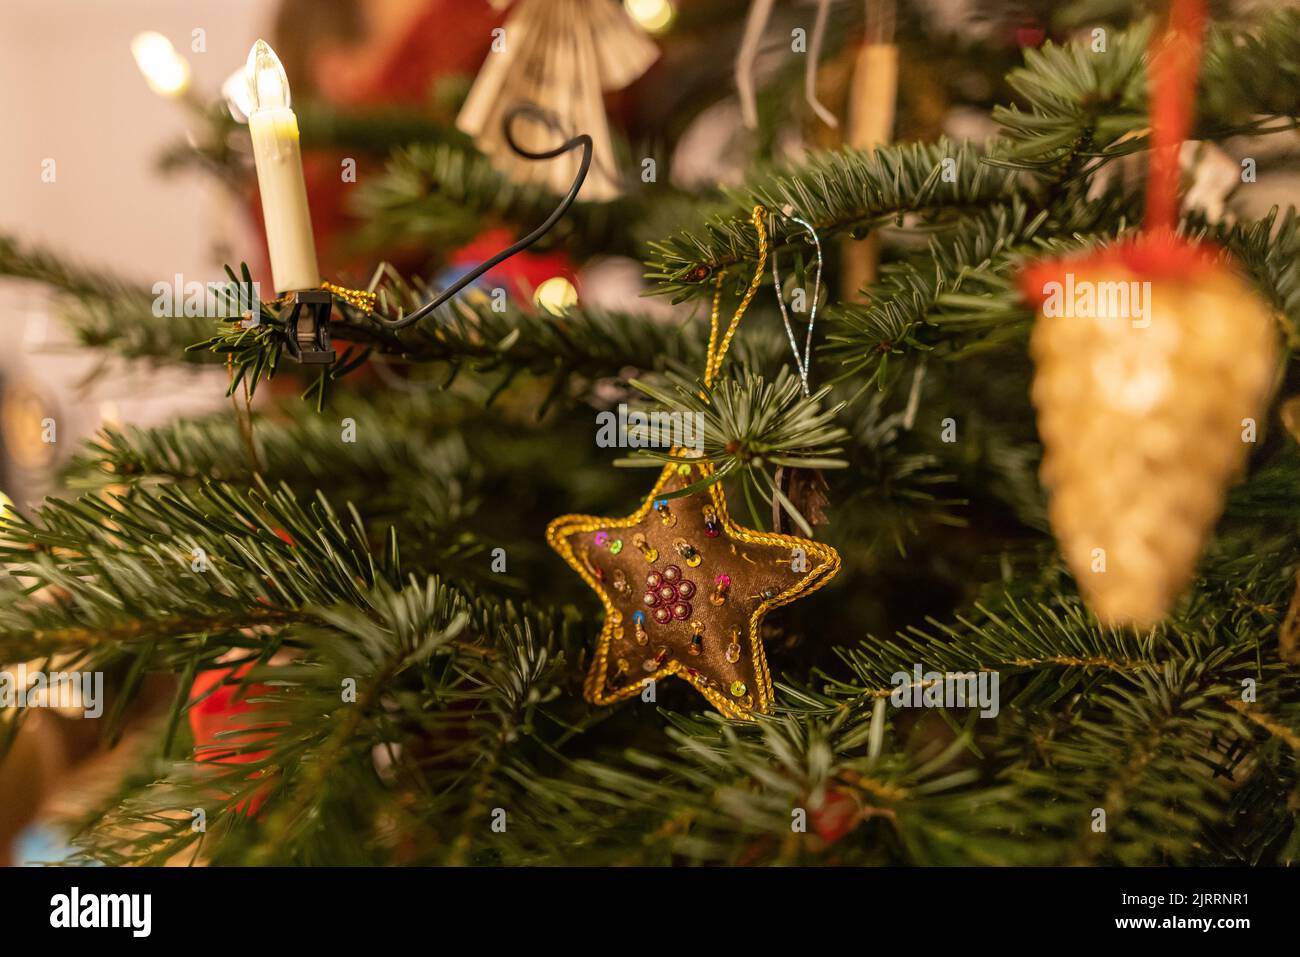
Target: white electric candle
[[274, 129]]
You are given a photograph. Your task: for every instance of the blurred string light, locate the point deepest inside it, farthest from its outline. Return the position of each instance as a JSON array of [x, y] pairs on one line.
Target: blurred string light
[[655, 16], [239, 100], [165, 70], [6, 507], [23, 422], [555, 295]]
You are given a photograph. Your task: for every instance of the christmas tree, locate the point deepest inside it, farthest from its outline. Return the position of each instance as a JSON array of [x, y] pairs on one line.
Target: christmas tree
[[372, 655]]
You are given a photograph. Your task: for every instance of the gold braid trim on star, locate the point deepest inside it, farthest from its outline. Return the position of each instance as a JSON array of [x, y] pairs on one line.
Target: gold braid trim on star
[[824, 564]]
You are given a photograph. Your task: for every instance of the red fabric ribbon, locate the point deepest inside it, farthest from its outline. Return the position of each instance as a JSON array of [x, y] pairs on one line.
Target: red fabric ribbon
[[1175, 58]]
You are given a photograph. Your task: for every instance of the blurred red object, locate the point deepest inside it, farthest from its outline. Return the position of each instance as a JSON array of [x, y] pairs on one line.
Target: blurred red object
[[213, 714], [407, 50], [1030, 36], [836, 816], [522, 273]]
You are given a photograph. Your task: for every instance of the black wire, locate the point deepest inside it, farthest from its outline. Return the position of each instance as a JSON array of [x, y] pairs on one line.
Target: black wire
[[582, 139]]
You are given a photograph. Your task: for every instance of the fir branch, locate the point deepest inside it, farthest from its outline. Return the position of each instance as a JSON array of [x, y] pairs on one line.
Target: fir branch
[[430, 705], [372, 657], [1085, 109], [1250, 75], [471, 333], [736, 794], [103, 310], [468, 333], [962, 298], [748, 425], [1087, 106], [841, 191], [1082, 104], [177, 561], [1152, 757], [900, 305], [440, 196], [222, 149], [403, 476], [374, 130], [292, 445], [897, 483]]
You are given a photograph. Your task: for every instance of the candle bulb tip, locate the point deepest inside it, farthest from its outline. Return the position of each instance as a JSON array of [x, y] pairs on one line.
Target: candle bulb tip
[[268, 86]]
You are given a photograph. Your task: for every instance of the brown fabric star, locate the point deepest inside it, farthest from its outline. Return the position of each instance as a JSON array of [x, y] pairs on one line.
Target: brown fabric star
[[685, 591]]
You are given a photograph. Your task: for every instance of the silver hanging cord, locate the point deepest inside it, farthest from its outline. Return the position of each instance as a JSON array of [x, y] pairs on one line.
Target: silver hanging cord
[[802, 361]]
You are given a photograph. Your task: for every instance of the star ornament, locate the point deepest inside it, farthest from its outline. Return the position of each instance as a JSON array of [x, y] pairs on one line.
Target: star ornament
[[685, 592]]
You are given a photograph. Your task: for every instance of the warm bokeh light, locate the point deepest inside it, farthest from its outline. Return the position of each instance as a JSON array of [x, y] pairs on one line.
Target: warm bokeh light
[[238, 99], [166, 71], [655, 16], [24, 416], [555, 295]]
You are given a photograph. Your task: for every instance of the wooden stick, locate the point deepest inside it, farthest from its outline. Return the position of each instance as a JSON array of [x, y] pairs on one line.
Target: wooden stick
[[872, 97]]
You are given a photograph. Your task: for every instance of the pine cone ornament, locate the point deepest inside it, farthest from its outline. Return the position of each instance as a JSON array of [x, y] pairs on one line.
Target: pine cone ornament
[[806, 490], [1153, 364]]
